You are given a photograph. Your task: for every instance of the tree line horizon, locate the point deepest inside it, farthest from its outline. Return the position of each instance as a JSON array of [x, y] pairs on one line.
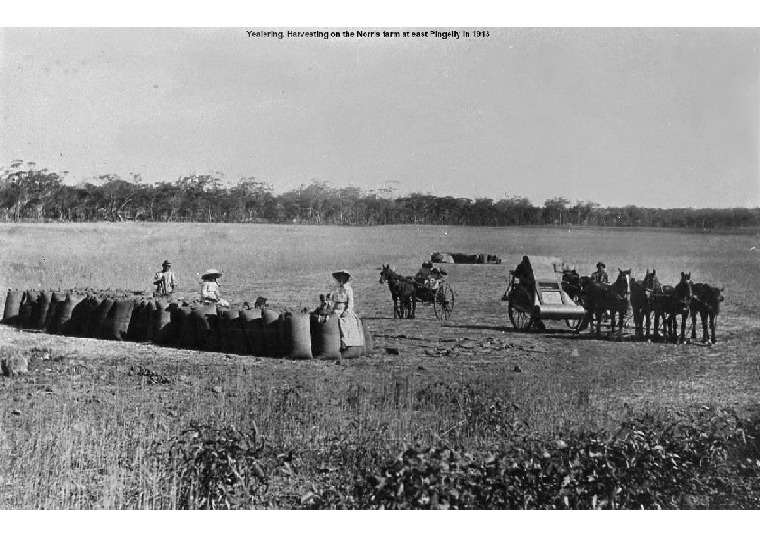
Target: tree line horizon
[[28, 193]]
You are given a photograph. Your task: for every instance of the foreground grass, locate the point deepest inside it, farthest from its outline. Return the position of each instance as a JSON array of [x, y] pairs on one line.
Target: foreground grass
[[103, 425]]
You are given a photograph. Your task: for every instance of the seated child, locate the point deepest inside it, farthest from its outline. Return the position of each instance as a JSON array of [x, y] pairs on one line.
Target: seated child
[[323, 311]]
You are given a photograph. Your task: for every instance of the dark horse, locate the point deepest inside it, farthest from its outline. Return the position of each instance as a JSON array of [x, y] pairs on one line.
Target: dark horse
[[614, 298], [705, 301], [403, 293], [669, 304], [642, 294]]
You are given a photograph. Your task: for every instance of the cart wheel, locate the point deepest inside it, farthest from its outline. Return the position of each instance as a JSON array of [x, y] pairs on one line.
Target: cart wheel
[[520, 318], [443, 302]]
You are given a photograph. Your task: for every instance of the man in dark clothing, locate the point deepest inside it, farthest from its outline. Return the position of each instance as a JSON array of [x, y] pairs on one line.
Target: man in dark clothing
[[524, 273], [600, 276]]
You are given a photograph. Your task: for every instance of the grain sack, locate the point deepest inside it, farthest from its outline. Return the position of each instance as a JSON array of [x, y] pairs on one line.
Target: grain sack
[[297, 336], [186, 328], [27, 305], [228, 321], [116, 323], [98, 317], [272, 332], [352, 352], [12, 306], [149, 315], [369, 342], [325, 338], [237, 336], [205, 321], [162, 323], [248, 319], [138, 324], [40, 309], [93, 303], [66, 326], [239, 341], [80, 317]]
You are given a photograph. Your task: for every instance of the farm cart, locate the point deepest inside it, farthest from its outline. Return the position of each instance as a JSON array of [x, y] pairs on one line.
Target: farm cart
[[528, 310], [429, 288], [439, 293]]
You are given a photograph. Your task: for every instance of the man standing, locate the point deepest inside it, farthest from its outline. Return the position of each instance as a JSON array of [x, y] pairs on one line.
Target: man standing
[[165, 281]]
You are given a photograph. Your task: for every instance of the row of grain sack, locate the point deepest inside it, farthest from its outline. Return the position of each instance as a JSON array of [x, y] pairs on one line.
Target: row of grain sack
[[124, 316]]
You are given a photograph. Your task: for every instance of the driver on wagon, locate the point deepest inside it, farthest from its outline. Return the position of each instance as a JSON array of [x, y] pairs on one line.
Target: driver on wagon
[[600, 276], [524, 274]]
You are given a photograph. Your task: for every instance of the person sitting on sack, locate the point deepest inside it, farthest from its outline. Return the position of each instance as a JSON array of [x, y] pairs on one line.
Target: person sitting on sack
[[325, 308], [351, 332], [165, 281], [210, 289]]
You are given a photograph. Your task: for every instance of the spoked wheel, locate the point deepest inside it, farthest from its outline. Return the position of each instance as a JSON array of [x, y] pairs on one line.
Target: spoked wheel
[[443, 302], [520, 317]]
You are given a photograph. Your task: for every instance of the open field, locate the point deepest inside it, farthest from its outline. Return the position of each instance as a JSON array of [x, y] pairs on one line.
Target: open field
[[80, 430]]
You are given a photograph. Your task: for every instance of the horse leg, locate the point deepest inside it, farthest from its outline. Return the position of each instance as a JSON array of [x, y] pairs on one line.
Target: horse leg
[[621, 315], [705, 332], [649, 323], [638, 323], [693, 312], [713, 321], [656, 329]]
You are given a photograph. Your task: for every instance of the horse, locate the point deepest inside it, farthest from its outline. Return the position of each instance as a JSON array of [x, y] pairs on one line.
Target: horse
[[614, 298], [706, 301], [575, 286], [641, 301], [669, 304], [403, 292]]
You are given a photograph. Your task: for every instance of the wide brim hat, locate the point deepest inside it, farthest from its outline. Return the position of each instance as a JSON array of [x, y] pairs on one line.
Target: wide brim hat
[[211, 273], [342, 274], [166, 263], [600, 264]]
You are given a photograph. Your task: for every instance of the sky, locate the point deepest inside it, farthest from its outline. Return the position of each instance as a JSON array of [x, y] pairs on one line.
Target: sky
[[656, 117]]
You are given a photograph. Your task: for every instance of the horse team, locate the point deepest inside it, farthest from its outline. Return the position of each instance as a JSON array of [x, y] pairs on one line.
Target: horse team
[[647, 298]]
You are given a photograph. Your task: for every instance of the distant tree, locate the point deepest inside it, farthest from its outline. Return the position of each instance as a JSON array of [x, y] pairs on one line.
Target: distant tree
[[555, 210], [26, 190]]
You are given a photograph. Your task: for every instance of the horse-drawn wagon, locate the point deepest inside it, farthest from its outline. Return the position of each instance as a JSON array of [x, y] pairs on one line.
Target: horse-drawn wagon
[[529, 306], [406, 292]]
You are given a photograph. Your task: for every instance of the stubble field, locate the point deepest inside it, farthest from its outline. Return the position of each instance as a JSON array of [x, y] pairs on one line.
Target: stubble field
[[87, 426]]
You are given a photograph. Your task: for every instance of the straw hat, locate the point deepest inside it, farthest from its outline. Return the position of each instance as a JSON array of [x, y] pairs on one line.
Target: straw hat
[[211, 273], [341, 275]]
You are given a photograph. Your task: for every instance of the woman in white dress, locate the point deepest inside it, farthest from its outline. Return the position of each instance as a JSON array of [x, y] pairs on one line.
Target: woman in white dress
[[210, 289], [351, 333]]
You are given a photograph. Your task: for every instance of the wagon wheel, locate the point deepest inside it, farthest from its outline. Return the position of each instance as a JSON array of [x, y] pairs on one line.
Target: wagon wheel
[[520, 317], [575, 324], [443, 302]]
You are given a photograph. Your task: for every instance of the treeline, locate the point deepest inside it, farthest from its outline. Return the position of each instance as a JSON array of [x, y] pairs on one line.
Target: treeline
[[29, 193]]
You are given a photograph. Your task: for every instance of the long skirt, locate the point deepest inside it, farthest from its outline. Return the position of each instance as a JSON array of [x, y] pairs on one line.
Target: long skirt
[[351, 330]]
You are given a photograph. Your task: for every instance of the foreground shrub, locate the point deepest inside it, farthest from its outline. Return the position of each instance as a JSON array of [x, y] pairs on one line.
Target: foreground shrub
[[648, 463], [215, 468]]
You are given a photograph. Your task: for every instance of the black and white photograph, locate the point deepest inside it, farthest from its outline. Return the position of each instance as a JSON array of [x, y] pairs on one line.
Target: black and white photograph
[[351, 266]]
